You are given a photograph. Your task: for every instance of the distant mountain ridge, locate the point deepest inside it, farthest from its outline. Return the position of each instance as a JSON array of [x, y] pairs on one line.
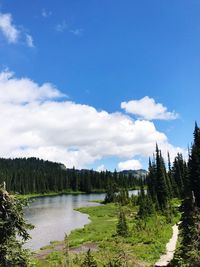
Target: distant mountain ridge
[[136, 173]]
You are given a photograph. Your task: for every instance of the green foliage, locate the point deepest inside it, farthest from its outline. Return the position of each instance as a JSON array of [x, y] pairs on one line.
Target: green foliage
[[190, 226], [111, 193], [122, 197], [146, 207], [122, 227], [178, 175], [158, 182], [66, 252], [194, 166], [143, 245], [12, 223], [89, 260]]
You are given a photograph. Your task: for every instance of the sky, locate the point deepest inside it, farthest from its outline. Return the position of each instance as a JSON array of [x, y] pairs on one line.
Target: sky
[[97, 83]]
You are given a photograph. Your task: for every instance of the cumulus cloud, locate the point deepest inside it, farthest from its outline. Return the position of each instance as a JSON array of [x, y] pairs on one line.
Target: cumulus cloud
[[11, 31], [36, 123], [8, 29], [13, 90], [131, 164], [148, 109]]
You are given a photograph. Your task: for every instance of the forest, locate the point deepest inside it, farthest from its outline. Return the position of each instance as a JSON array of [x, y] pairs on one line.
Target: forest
[[32, 175]]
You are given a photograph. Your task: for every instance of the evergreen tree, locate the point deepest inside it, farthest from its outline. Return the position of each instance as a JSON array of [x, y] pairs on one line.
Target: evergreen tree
[[190, 221], [145, 204], [158, 182], [89, 260], [111, 191], [151, 181], [161, 185], [179, 172], [194, 165], [123, 197], [122, 227], [12, 223]]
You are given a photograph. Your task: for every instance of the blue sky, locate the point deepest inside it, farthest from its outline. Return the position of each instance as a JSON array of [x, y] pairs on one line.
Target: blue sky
[[99, 54]]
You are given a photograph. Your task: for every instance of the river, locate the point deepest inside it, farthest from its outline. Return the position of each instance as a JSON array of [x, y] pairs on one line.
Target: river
[[54, 216]]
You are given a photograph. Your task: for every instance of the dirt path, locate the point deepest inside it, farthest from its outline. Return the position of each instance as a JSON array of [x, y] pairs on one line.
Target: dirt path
[[41, 254], [170, 249]]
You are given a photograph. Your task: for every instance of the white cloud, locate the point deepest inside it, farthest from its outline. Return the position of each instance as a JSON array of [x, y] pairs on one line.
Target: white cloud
[[8, 29], [45, 13], [12, 33], [77, 32], [148, 109], [34, 123], [131, 164], [101, 168], [24, 90], [29, 40], [61, 27]]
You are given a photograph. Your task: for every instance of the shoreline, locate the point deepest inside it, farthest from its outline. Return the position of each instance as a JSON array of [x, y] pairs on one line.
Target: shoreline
[[52, 194], [60, 193]]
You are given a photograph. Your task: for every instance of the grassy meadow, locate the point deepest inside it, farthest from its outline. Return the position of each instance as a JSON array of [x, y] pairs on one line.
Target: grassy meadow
[[144, 244]]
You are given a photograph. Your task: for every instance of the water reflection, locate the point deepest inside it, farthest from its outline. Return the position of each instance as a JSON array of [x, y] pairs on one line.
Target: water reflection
[[55, 216]]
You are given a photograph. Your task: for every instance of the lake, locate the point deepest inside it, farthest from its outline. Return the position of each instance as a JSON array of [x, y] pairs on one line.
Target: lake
[[54, 216]]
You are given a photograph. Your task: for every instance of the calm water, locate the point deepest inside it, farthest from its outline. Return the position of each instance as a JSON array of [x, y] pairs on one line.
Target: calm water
[[55, 216]]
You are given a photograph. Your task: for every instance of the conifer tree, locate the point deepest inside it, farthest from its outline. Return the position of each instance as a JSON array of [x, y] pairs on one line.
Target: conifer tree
[[12, 223], [145, 203], [194, 165], [161, 185], [111, 191], [89, 260], [190, 230], [122, 227], [151, 179]]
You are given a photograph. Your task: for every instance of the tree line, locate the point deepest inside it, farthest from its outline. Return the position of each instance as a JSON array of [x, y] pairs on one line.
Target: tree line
[[32, 175], [180, 180]]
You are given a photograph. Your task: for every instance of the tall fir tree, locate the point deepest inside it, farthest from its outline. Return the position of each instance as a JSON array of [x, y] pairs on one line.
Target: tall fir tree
[[194, 165], [122, 227]]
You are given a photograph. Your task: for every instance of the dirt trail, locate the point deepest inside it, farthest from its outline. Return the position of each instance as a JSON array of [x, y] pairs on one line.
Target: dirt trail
[[170, 249], [41, 254]]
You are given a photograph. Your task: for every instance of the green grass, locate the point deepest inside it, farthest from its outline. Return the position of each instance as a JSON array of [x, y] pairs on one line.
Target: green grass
[[49, 194], [145, 243]]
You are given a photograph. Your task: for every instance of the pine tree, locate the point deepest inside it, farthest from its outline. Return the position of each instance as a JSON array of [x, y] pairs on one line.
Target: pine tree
[[12, 223], [194, 165], [123, 197], [122, 227], [190, 225], [161, 185], [111, 191], [89, 260], [145, 203]]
